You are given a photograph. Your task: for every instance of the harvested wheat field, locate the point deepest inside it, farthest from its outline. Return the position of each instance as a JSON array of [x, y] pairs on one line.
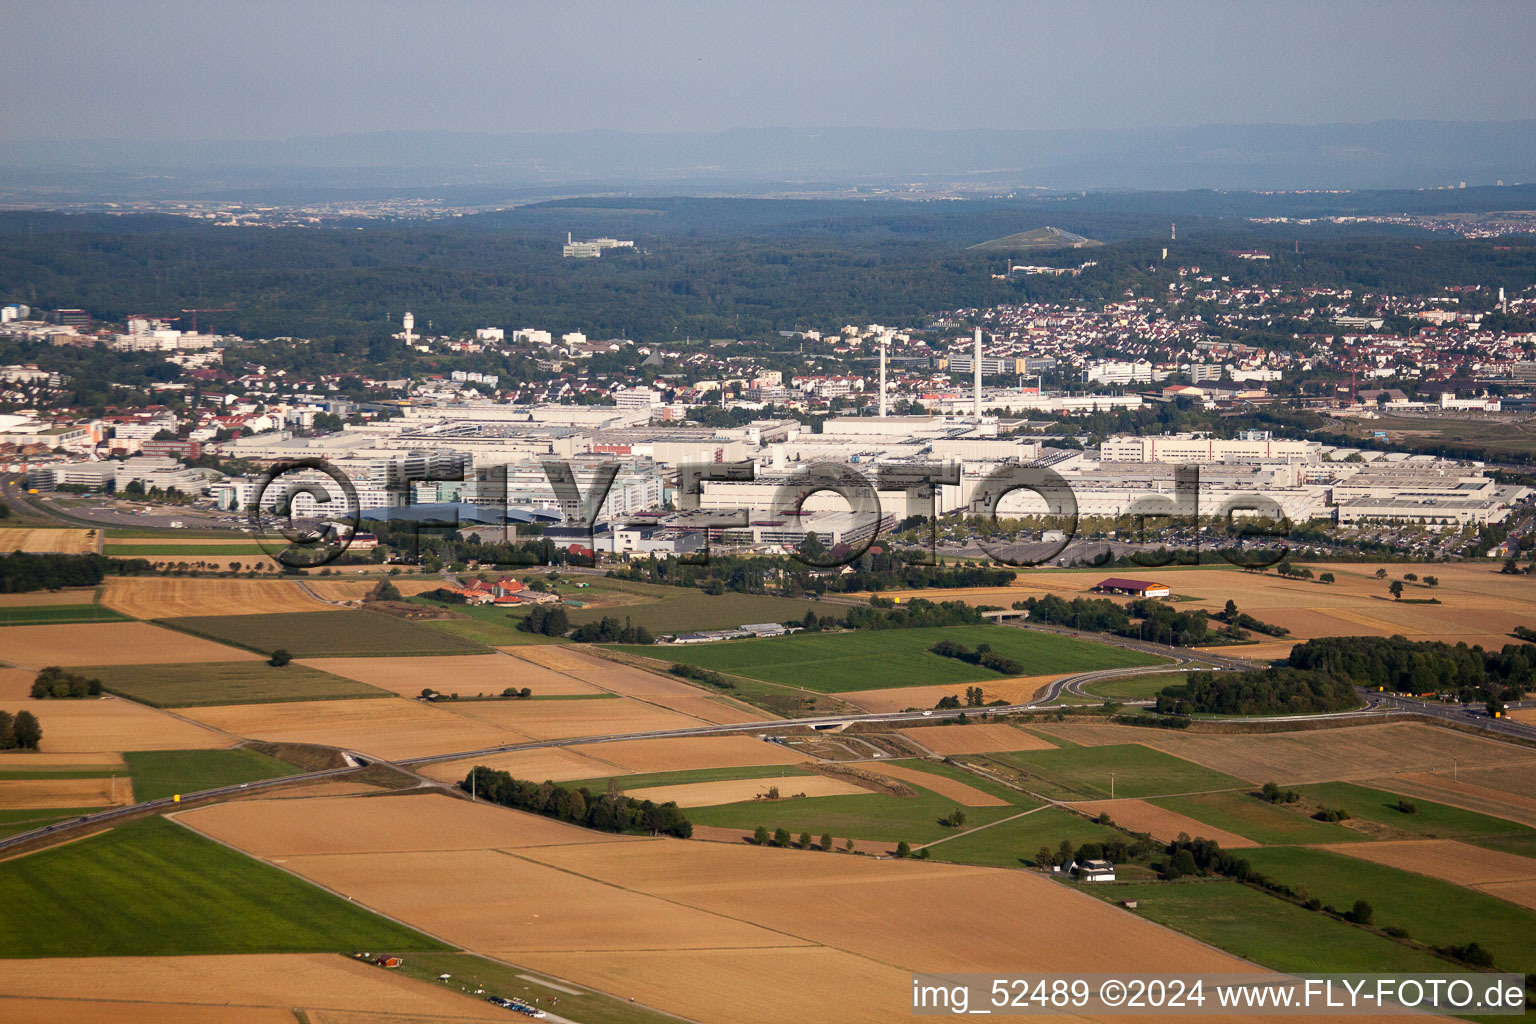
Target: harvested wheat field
[[628, 681], [731, 791], [1161, 824], [954, 789], [415, 823], [388, 727], [1352, 753], [28, 794], [982, 738], [1015, 690], [153, 597], [1521, 892], [601, 913], [16, 683], [38, 542], [198, 989], [1461, 863], [356, 590], [111, 643], [561, 719], [33, 599], [112, 724], [1526, 715], [624, 757], [468, 674], [1501, 803], [33, 761]]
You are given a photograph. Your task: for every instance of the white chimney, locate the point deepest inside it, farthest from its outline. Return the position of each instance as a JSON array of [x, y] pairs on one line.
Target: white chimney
[[884, 348], [976, 366]]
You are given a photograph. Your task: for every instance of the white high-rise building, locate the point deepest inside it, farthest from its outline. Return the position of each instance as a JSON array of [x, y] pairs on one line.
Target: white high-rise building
[[410, 327]]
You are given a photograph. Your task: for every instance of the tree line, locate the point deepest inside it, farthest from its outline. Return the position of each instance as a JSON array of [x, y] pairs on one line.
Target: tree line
[[606, 812], [20, 731], [54, 682], [22, 572]]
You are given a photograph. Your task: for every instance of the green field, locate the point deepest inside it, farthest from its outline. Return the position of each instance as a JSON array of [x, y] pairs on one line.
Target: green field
[[1083, 773], [484, 624], [226, 682], [1439, 913], [871, 659], [57, 614], [163, 773], [182, 552], [1014, 843], [153, 888], [14, 821], [1133, 687], [326, 634], [1269, 931], [1259, 820], [679, 609], [862, 816], [1431, 821]]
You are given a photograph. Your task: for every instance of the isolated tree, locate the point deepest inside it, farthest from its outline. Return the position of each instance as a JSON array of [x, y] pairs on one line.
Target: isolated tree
[[1044, 859], [1064, 853], [427, 691], [1361, 913], [27, 730], [1230, 610], [826, 841], [280, 657], [1411, 577], [1381, 574], [781, 836], [848, 846], [1326, 577], [903, 849], [1396, 589], [1431, 582]]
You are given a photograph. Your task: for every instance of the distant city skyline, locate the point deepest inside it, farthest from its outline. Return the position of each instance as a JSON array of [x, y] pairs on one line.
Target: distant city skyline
[[282, 69]]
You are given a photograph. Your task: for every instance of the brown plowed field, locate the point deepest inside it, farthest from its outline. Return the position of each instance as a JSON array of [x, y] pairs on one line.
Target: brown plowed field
[[1354, 753], [111, 724], [420, 823], [1015, 690], [63, 542], [155, 597], [955, 790], [468, 674], [110, 643], [1159, 823], [204, 989], [385, 727], [1497, 802], [26, 794], [981, 738], [731, 791]]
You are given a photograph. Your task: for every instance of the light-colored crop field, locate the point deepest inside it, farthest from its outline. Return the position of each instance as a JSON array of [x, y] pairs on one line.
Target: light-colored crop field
[[35, 598], [625, 757], [468, 674], [16, 683], [155, 597], [980, 738], [257, 989], [112, 724], [627, 681], [389, 727], [562, 719], [114, 643], [1015, 690], [356, 590], [1462, 863], [1161, 823], [30, 760], [30, 794], [44, 541], [954, 789], [706, 929], [1357, 752], [732, 791]]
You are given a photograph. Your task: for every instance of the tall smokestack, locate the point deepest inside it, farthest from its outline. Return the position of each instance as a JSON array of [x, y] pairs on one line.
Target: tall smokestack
[[884, 347], [976, 366]]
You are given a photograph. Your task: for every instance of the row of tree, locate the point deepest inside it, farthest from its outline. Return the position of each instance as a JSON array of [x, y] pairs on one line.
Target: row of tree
[[54, 682], [983, 656], [606, 812], [20, 731], [23, 572]]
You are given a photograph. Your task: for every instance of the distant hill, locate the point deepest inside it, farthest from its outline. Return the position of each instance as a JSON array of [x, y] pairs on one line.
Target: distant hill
[[1036, 240]]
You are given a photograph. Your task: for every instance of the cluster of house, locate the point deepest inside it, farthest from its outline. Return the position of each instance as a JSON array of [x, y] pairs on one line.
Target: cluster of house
[[506, 591]]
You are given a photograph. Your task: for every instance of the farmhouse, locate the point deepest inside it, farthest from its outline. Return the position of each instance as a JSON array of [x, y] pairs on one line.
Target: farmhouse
[[1095, 871], [1135, 588]]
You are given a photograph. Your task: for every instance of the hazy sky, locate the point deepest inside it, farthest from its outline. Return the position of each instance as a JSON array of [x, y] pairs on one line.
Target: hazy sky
[[283, 68]]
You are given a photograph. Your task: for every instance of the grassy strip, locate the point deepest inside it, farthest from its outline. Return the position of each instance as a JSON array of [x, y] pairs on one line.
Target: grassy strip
[[321, 634], [162, 773], [153, 888], [57, 614], [1015, 843], [1084, 773], [1259, 820], [190, 685], [1429, 820]]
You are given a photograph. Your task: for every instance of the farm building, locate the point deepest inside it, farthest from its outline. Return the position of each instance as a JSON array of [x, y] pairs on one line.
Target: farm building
[[1135, 588], [1095, 871]]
